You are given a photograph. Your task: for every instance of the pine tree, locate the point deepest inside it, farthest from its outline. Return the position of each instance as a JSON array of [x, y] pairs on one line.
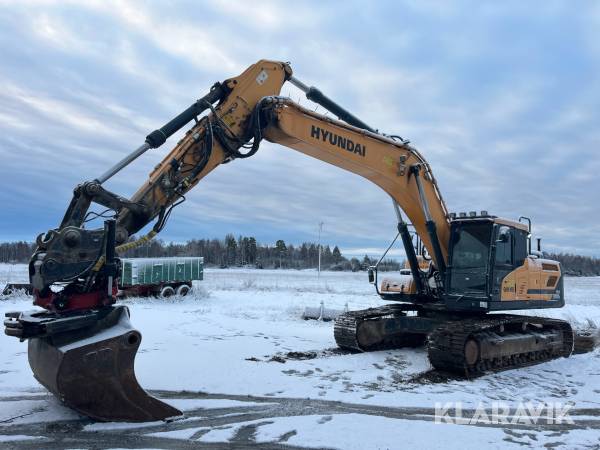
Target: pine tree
[[281, 251], [231, 249], [251, 250], [337, 255]]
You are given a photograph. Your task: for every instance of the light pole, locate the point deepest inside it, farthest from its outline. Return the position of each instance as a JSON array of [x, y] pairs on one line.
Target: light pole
[[319, 269]]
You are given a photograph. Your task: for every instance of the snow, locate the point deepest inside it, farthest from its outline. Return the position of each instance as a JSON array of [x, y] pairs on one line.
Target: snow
[[13, 273], [17, 437], [347, 431], [119, 329], [356, 432], [222, 434], [220, 341], [186, 433], [210, 403], [25, 411], [101, 426]]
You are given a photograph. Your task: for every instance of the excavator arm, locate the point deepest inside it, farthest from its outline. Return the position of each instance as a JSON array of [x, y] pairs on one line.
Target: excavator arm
[[392, 164], [396, 167], [82, 347]]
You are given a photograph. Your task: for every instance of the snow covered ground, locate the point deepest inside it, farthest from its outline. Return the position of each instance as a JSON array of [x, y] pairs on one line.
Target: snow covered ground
[[211, 355]]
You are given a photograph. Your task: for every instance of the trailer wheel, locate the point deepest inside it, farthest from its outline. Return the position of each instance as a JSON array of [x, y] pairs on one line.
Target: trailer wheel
[[166, 292], [183, 290]]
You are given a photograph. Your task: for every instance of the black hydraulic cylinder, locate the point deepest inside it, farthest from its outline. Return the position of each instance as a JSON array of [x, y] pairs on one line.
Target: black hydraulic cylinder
[[435, 243], [317, 96], [411, 256], [415, 170], [158, 137]]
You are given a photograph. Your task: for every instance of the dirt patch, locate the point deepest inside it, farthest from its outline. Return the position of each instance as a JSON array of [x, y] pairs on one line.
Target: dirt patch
[[302, 356], [435, 377], [278, 359]]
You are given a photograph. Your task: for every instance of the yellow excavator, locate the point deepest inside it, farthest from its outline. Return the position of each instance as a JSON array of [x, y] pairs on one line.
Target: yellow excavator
[[466, 269]]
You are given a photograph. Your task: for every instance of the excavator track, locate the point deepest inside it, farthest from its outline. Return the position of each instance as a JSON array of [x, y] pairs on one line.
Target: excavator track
[[353, 330], [469, 346], [500, 342]]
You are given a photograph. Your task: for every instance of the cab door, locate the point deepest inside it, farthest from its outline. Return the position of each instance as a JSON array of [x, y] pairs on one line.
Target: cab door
[[502, 259]]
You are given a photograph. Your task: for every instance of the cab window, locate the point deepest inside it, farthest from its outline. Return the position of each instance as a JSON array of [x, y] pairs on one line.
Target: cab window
[[470, 246], [504, 245], [520, 247]]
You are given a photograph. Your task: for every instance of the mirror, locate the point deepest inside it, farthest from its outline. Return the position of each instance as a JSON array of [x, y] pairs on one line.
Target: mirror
[[503, 234], [371, 273]]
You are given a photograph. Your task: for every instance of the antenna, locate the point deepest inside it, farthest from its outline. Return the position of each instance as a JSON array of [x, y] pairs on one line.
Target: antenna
[[319, 268]]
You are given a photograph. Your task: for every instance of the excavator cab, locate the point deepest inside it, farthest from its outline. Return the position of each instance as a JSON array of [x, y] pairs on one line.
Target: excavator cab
[[492, 267]]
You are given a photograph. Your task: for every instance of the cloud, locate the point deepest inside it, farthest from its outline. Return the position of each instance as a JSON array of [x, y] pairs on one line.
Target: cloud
[[56, 110], [502, 99]]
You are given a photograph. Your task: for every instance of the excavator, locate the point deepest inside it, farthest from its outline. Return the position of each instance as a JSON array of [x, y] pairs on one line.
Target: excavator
[[467, 270]]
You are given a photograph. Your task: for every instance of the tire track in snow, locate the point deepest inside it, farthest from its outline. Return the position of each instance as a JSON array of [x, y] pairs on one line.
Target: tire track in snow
[[235, 411]]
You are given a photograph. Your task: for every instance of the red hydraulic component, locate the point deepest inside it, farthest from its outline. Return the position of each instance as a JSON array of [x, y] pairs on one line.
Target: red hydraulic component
[[60, 302]]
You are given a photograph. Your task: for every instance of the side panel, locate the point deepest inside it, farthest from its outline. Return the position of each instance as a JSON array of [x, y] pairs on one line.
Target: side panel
[[536, 279], [157, 273], [538, 283], [400, 284], [180, 271], [127, 274], [147, 271]]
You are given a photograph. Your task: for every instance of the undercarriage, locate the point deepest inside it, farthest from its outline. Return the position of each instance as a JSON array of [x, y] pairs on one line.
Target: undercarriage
[[467, 345]]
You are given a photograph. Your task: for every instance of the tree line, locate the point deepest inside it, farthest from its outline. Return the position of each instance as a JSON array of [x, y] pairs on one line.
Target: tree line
[[576, 265], [246, 251], [231, 252]]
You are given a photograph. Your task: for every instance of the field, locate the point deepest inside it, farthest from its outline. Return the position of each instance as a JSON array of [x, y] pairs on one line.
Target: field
[[221, 355]]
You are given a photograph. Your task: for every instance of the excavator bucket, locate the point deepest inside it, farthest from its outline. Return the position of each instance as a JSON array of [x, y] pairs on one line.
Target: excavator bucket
[[92, 371]]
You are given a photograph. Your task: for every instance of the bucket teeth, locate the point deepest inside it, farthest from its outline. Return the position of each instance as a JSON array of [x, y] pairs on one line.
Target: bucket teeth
[[92, 371]]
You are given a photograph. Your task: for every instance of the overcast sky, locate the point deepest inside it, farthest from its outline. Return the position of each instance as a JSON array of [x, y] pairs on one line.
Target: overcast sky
[[502, 98]]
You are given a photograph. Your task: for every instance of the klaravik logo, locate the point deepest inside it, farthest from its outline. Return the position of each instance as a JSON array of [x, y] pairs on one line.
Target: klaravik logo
[[338, 141], [527, 413]]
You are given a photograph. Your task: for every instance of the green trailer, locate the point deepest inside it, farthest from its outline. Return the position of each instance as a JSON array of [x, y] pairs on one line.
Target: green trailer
[[159, 276]]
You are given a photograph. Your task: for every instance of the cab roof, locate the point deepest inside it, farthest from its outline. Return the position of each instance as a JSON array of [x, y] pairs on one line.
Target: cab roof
[[493, 219]]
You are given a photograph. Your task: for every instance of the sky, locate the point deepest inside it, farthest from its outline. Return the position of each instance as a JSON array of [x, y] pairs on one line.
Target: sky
[[502, 99]]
